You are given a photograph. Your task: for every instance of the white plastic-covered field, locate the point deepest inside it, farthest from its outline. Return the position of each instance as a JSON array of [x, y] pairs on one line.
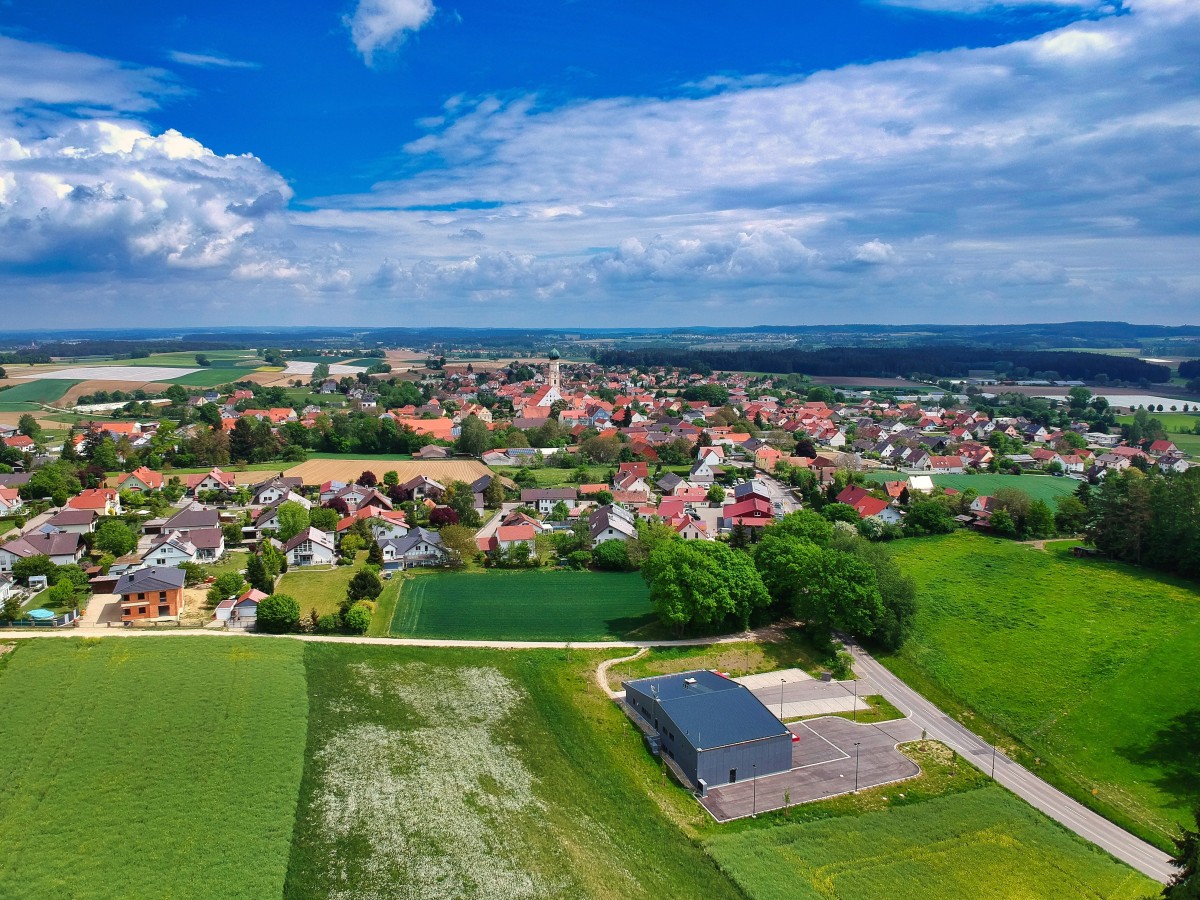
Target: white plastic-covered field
[[294, 367], [114, 373]]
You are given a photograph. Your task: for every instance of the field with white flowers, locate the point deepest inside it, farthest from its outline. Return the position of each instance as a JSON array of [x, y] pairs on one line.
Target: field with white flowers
[[474, 774]]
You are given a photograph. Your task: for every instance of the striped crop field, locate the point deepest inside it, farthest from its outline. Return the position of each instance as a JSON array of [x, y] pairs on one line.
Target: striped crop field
[[525, 606]]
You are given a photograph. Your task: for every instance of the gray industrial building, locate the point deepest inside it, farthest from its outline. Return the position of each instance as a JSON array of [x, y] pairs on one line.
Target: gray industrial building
[[714, 729]]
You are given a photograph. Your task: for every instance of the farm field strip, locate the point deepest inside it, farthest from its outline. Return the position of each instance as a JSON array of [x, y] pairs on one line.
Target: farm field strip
[[1038, 487], [318, 471], [169, 768], [112, 373], [530, 606]]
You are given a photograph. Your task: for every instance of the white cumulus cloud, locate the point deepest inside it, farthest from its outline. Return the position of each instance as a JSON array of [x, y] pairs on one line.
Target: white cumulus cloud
[[380, 25]]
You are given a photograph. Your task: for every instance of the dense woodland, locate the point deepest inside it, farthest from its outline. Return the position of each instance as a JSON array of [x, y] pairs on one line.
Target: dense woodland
[[889, 362], [1148, 519]]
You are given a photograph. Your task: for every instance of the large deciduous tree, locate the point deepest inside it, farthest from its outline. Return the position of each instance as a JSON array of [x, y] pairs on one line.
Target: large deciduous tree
[[293, 519], [703, 585], [473, 438]]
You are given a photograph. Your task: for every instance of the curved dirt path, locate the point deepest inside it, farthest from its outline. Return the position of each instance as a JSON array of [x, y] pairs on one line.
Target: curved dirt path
[[602, 673]]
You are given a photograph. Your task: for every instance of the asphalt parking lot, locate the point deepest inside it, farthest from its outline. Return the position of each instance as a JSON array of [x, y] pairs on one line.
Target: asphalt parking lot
[[824, 764]]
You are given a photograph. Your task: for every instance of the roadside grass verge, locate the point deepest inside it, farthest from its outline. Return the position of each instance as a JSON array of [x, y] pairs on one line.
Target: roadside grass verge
[[794, 649], [460, 773], [529, 605], [987, 839], [151, 767], [1082, 669], [880, 711]]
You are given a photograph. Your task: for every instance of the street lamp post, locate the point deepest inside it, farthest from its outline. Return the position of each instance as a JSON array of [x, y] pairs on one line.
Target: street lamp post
[[754, 790], [856, 701], [782, 682], [993, 762], [856, 743]]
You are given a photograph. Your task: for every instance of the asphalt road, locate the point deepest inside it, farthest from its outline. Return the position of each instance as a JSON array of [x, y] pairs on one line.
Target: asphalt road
[[1012, 775]]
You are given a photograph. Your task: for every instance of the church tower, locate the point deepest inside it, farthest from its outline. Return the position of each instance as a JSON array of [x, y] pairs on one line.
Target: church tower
[[555, 385]]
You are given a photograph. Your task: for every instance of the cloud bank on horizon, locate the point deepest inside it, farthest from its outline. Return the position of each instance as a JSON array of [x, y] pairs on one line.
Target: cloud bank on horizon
[[1048, 178]]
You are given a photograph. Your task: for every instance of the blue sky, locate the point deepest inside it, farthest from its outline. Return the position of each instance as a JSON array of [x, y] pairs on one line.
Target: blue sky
[[415, 162]]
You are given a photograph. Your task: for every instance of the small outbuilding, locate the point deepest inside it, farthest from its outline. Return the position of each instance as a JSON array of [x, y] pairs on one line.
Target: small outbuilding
[[714, 729]]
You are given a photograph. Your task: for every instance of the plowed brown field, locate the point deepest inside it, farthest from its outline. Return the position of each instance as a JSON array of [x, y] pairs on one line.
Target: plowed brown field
[[318, 471]]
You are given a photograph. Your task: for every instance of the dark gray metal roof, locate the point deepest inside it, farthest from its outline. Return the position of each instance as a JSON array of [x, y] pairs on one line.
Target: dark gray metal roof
[[712, 712], [153, 579]]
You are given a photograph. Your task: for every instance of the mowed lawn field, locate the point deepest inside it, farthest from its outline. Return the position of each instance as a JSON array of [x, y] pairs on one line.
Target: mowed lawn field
[[525, 606], [162, 767], [1038, 487], [1088, 666], [985, 844], [317, 588]]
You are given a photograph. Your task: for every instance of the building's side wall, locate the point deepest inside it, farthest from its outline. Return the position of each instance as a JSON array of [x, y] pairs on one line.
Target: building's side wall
[[769, 755]]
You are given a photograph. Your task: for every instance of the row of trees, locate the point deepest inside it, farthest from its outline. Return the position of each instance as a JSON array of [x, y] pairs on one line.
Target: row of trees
[[938, 361]]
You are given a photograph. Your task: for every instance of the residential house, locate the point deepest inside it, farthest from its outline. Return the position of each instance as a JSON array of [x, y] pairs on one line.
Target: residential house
[[63, 548], [753, 511], [946, 465], [105, 501], [212, 480], [419, 547], [545, 499], [702, 472], [271, 491], [611, 523], [140, 480], [80, 521], [423, 487], [11, 503], [311, 547], [868, 506], [170, 550], [153, 593], [508, 536]]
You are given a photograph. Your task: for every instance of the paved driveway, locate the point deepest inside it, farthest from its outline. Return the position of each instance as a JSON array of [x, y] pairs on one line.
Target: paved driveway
[[824, 764]]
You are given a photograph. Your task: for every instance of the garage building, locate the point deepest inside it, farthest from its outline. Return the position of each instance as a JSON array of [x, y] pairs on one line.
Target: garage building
[[714, 729]]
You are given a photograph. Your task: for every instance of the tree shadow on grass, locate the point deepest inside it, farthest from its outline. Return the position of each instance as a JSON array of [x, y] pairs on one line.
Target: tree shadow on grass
[[1173, 750]]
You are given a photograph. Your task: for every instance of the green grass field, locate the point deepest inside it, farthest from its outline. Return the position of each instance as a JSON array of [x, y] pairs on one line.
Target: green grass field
[[161, 767], [525, 606], [319, 589], [381, 771], [458, 773], [181, 359], [29, 396], [987, 839], [1088, 666], [211, 377], [1038, 487]]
